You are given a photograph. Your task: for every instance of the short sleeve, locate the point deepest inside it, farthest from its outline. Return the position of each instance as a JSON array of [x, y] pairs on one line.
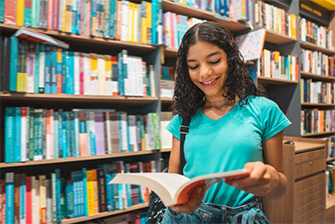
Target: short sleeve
[[174, 125], [273, 119]]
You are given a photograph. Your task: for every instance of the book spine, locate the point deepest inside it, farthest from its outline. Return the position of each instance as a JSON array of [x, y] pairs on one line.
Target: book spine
[[13, 68], [28, 184], [9, 197], [101, 189], [22, 198], [85, 194], [69, 200]]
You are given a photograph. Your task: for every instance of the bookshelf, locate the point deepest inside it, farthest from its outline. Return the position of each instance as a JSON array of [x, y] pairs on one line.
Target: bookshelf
[[285, 93]]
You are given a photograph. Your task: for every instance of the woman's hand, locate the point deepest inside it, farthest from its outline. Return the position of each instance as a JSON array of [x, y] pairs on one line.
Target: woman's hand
[[193, 203], [262, 181]]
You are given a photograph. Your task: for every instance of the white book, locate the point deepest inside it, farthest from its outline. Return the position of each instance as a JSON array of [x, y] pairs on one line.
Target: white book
[[51, 150], [42, 198], [76, 133], [130, 22], [108, 133], [94, 78], [48, 200], [124, 22], [24, 134], [30, 35], [135, 23], [42, 69], [139, 77], [180, 191], [101, 75], [76, 74], [30, 68], [123, 132], [56, 135], [60, 14], [36, 201], [87, 69], [132, 133], [152, 80]]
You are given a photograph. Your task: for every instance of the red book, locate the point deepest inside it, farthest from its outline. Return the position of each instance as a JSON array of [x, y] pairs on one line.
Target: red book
[[10, 11], [50, 15], [55, 9], [17, 198], [29, 217], [81, 73], [2, 201]]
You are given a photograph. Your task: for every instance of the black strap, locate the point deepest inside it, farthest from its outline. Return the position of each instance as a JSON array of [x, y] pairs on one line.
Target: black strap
[[184, 128]]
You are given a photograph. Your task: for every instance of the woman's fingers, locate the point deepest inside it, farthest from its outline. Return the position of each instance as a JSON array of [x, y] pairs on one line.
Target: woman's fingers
[[193, 203]]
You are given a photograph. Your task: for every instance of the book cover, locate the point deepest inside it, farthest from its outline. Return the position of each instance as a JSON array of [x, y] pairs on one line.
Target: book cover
[[251, 44], [182, 187]]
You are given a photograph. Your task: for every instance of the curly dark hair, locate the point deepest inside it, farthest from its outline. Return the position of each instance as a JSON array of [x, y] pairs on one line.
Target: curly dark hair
[[188, 98]]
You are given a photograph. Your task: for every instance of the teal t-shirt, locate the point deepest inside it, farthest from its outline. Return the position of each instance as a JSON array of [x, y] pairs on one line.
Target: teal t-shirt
[[213, 146]]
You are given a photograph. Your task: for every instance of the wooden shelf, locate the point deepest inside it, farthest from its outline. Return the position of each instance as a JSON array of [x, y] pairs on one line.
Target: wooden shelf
[[313, 76], [166, 100], [330, 202], [170, 52], [306, 146], [189, 11], [315, 47], [331, 159], [275, 81], [76, 159], [317, 105], [105, 214], [327, 4], [318, 134], [276, 38], [166, 150], [76, 40], [134, 101]]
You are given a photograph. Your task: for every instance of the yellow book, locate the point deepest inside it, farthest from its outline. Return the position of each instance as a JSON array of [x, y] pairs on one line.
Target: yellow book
[[108, 75], [90, 192], [149, 22], [42, 199], [144, 33], [68, 19], [293, 26], [130, 22], [20, 12], [64, 16], [95, 187], [94, 78], [135, 23]]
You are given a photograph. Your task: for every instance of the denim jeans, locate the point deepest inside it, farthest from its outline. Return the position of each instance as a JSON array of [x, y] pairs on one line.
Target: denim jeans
[[212, 213]]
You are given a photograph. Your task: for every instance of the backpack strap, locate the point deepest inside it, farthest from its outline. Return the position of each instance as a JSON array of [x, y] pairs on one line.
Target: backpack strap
[[184, 128]]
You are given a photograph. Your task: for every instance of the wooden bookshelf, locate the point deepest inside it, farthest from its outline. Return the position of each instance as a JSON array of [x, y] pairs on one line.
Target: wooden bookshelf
[[170, 52], [165, 150], [316, 77], [75, 40], [166, 100], [331, 159], [318, 104], [327, 4], [77, 159], [275, 81], [189, 11], [105, 214], [315, 47], [276, 38], [136, 101], [318, 134]]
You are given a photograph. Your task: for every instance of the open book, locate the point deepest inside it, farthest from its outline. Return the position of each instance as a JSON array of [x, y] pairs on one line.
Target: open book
[[174, 188], [30, 35]]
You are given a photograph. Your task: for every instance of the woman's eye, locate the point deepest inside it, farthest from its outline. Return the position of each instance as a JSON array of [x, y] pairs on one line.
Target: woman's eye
[[214, 62], [193, 67]]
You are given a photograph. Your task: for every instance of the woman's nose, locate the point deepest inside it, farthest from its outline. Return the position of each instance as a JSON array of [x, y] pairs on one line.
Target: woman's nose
[[205, 71]]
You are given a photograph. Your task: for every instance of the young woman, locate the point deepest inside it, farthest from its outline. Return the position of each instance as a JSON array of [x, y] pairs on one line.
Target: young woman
[[232, 127]]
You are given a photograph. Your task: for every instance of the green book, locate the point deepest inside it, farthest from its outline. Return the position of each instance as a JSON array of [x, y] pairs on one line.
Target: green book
[[2, 11]]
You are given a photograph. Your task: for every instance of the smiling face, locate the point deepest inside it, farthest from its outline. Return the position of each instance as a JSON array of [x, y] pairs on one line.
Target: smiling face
[[207, 66]]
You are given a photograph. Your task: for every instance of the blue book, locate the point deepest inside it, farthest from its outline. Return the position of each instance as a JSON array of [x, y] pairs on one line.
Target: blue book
[[23, 197], [10, 135], [54, 70], [111, 18], [2, 11], [69, 200], [47, 71], [154, 17], [72, 135], [58, 195], [93, 15], [74, 17], [71, 75], [9, 198], [119, 74], [68, 134], [79, 15], [63, 70], [74, 181], [85, 192], [92, 133], [37, 68], [18, 134], [14, 50], [67, 73], [120, 131]]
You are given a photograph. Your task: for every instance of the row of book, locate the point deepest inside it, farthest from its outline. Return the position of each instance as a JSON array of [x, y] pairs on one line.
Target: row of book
[[36, 134], [315, 34], [167, 82], [275, 19], [42, 198], [121, 20], [317, 121], [274, 65], [317, 63], [317, 91], [39, 68]]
